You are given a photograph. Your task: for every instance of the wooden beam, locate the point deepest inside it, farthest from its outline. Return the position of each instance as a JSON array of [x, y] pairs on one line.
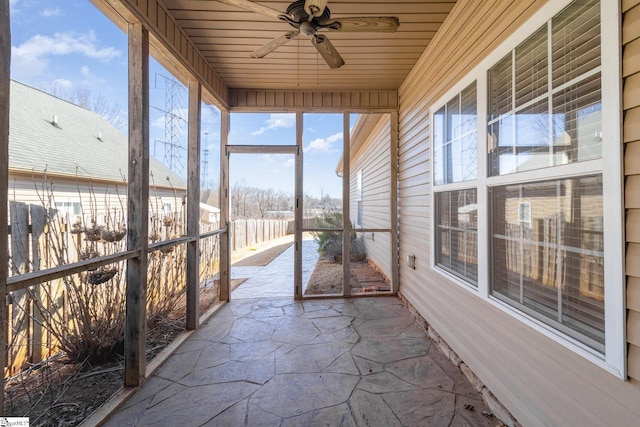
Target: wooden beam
[[138, 206], [261, 149], [346, 220], [393, 204], [225, 253], [312, 101], [193, 206], [299, 196], [5, 60], [33, 278]]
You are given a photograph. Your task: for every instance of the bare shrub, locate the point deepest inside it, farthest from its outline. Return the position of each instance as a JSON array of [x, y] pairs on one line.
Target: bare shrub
[[84, 313]]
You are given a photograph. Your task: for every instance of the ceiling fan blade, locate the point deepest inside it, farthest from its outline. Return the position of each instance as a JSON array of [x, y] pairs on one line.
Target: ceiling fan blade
[[385, 24], [315, 8], [255, 7], [266, 49], [327, 51]]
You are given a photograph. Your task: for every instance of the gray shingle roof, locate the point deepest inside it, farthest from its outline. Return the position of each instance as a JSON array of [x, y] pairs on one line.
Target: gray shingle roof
[[83, 143]]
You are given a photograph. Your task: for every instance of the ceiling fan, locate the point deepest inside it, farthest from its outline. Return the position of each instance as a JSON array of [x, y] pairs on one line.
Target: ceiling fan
[[310, 16]]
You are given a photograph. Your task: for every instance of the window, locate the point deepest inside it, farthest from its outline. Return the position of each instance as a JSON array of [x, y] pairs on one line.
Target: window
[[70, 209], [455, 143], [545, 96], [548, 257], [528, 226], [457, 233], [545, 111], [455, 162]]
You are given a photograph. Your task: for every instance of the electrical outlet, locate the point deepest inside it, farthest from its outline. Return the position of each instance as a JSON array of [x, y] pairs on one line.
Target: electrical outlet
[[411, 261]]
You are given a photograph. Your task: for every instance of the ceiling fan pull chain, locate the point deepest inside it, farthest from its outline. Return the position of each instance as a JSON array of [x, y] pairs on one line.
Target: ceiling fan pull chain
[[298, 62]]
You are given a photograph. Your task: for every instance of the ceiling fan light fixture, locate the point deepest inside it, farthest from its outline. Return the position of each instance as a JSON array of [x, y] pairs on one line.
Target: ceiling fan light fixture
[[308, 28], [315, 8]]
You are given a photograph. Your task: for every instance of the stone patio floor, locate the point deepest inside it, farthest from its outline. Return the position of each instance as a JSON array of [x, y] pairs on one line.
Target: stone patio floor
[[280, 362]]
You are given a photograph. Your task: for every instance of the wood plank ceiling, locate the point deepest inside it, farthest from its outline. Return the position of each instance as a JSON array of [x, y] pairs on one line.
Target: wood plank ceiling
[[227, 36]]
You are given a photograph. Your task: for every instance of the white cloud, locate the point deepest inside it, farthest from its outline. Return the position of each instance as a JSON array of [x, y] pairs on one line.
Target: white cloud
[[31, 58], [289, 163], [158, 122], [90, 79], [62, 84], [323, 145], [51, 12], [268, 158], [277, 120]]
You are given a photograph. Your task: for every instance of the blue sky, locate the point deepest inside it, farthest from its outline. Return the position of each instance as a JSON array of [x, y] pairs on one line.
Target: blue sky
[[70, 45]]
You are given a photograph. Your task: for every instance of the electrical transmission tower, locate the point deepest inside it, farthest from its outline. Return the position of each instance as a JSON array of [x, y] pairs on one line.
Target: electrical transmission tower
[[204, 170], [174, 149]]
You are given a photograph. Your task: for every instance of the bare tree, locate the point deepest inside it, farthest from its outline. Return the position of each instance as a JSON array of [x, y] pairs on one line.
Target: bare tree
[[264, 198], [95, 102], [253, 202]]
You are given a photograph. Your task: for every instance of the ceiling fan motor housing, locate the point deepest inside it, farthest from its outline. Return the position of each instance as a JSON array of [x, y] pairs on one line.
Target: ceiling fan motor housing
[[301, 20]]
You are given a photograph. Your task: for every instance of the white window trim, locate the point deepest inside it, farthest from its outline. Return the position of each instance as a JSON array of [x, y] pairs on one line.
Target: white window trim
[[610, 166]]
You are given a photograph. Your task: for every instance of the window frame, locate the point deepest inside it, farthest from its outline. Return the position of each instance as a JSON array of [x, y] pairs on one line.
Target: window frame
[[609, 165], [449, 187]]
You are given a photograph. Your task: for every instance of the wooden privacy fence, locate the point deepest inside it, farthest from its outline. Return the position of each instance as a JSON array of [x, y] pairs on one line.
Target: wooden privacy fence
[[39, 240], [245, 233]]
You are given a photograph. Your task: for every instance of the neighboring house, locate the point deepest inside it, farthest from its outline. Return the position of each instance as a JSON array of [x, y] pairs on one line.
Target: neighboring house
[[209, 214], [370, 186], [69, 158]]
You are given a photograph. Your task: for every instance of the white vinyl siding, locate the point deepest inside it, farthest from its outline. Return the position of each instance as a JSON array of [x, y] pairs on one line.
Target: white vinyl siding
[[373, 162]]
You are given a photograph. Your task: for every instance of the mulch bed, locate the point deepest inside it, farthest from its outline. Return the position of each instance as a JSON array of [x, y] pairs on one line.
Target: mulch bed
[[327, 276]]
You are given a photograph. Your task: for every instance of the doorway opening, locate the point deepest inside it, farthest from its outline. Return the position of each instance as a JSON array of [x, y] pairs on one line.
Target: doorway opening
[[262, 223]]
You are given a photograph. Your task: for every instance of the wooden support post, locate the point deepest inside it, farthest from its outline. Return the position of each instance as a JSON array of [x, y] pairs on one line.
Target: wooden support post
[[138, 206], [346, 223], [393, 204], [225, 246], [5, 60], [193, 207], [299, 197]]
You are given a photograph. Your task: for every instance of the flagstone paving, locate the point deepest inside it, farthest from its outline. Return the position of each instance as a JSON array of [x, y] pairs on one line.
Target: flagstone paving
[[279, 362]]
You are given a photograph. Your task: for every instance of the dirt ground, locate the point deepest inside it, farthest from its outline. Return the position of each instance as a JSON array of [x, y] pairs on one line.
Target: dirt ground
[[60, 393], [327, 278]]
